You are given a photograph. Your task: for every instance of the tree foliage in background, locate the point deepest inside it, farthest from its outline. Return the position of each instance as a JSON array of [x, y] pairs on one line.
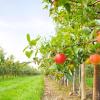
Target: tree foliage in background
[[9, 67]]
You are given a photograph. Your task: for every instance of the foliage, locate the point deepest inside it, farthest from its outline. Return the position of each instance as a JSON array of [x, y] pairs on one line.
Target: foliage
[[76, 26], [89, 82], [9, 67]]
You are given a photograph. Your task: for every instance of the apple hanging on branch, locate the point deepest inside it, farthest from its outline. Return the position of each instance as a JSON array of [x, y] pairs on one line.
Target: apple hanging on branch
[[60, 58], [98, 38], [98, 32], [95, 59]]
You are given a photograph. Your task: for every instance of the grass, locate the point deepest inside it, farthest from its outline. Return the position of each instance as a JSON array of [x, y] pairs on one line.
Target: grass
[[22, 88], [89, 82]]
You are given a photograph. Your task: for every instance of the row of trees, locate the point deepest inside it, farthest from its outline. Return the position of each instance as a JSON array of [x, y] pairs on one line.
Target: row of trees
[[77, 26], [9, 67]]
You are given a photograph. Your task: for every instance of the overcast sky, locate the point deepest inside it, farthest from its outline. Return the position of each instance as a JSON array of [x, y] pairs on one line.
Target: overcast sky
[[19, 17]]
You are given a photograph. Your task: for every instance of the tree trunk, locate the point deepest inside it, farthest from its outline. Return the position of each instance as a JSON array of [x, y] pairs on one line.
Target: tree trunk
[[83, 92], [74, 82], [79, 80], [66, 82], [62, 81], [96, 83]]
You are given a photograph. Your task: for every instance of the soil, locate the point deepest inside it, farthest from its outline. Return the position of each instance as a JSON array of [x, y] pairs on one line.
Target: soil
[[54, 92]]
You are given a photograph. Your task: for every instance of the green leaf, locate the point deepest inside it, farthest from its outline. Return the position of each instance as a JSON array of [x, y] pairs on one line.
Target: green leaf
[[68, 7], [37, 38], [34, 41], [47, 1], [36, 53], [62, 2], [28, 37], [97, 45], [29, 53], [97, 22], [45, 7], [25, 48], [86, 30]]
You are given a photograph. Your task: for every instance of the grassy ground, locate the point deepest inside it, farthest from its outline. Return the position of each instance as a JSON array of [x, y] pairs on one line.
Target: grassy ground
[[89, 82], [22, 88]]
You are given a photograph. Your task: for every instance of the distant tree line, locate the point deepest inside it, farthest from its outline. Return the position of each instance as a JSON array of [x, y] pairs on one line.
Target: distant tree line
[[9, 67]]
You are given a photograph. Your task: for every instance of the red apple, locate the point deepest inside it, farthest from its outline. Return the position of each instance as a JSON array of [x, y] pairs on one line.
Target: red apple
[[98, 32], [95, 59], [98, 38], [60, 58]]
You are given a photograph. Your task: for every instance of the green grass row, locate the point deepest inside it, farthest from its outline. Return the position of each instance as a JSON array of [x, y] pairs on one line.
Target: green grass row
[[22, 88], [26, 88], [89, 82]]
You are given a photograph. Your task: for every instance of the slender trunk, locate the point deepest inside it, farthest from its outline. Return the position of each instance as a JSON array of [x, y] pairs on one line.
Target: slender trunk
[[66, 82], [79, 80], [62, 81], [74, 83], [83, 92], [96, 83]]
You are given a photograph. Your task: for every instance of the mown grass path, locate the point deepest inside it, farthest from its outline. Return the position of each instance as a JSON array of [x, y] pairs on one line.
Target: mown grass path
[[22, 88]]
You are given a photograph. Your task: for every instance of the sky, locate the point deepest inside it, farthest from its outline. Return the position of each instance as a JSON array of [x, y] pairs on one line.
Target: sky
[[19, 17]]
